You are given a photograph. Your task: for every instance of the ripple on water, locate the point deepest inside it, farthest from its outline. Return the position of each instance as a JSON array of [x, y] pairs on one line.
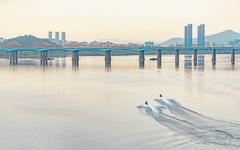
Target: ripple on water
[[193, 128]]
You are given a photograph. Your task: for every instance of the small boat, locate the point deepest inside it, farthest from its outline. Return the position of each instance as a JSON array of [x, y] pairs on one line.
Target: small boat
[[153, 59], [50, 58]]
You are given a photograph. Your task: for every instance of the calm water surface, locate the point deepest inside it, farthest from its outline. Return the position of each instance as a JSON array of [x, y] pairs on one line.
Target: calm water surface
[[60, 108]]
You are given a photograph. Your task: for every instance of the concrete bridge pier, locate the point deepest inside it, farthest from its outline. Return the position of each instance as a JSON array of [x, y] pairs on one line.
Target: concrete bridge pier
[[141, 59], [159, 58], [44, 58], [75, 58], [177, 54], [195, 57], [214, 57], [233, 57], [14, 57], [108, 58]]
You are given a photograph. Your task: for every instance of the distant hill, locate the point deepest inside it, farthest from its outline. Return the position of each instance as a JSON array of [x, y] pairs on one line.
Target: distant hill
[[27, 41], [223, 37], [218, 38], [173, 42]]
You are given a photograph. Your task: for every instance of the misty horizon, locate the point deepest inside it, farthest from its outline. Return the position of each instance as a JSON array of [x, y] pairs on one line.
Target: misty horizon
[[123, 41], [135, 21]]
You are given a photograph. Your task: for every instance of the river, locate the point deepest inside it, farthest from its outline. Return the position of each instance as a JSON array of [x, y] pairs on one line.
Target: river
[[90, 107]]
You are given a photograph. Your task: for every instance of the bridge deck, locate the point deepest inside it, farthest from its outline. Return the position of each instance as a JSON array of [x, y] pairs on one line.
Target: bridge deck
[[114, 49]]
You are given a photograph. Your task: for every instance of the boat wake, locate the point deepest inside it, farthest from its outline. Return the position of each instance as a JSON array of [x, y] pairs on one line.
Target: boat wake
[[186, 122]]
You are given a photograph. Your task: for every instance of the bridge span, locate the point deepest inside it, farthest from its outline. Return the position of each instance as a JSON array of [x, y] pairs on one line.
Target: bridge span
[[44, 58]]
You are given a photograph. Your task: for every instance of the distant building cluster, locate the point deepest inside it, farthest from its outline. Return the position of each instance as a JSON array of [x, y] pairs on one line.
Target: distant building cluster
[[235, 42], [57, 39], [102, 44], [1, 40], [188, 38], [149, 44]]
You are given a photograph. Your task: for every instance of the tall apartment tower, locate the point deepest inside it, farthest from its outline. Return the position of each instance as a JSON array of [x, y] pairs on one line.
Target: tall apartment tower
[[63, 37], [57, 36], [50, 35], [201, 35], [188, 35], [185, 36]]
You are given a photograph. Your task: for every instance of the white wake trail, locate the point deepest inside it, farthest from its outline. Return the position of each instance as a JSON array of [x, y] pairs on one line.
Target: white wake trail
[[193, 124]]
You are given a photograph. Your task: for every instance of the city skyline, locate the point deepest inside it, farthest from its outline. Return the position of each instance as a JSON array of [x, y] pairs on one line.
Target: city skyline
[[133, 21]]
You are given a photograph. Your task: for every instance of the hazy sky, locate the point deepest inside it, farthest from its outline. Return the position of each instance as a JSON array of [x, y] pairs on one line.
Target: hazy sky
[[129, 20]]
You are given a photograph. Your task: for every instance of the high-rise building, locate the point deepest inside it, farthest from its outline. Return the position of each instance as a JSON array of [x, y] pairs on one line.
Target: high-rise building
[[188, 35], [185, 36], [201, 35], [63, 37], [57, 36], [50, 35]]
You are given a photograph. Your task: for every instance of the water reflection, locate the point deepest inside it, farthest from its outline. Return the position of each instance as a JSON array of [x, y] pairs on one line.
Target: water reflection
[[188, 63], [108, 69], [201, 60], [141, 64], [65, 106], [202, 63], [57, 63], [44, 62], [214, 67], [108, 64], [63, 62], [50, 63], [233, 67], [75, 65]]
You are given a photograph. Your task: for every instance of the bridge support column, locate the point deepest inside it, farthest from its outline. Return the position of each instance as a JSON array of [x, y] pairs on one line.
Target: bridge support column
[[195, 57], [13, 57], [75, 58], [44, 58], [108, 58], [141, 59], [177, 53], [233, 57], [159, 58], [214, 57]]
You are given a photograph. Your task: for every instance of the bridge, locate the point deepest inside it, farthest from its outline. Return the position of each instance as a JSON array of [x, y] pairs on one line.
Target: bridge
[[44, 58]]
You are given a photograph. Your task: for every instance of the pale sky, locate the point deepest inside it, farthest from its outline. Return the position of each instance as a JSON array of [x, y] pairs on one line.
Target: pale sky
[[128, 20]]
